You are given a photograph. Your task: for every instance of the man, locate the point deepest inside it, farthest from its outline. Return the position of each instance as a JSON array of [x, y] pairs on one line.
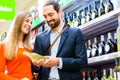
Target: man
[[67, 56]]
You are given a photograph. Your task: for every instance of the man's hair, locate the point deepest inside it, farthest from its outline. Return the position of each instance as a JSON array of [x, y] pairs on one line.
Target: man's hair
[[56, 6]]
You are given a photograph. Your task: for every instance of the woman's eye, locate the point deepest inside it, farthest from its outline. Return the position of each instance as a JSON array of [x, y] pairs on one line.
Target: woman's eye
[[27, 21], [31, 22]]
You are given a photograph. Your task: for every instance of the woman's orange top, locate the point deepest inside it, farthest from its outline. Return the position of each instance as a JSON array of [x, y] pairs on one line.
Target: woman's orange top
[[18, 68]]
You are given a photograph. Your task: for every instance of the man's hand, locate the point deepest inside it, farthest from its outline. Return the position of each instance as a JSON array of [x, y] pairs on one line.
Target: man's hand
[[51, 61]]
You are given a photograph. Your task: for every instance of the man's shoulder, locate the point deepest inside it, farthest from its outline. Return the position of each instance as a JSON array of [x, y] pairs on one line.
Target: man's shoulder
[[74, 29]]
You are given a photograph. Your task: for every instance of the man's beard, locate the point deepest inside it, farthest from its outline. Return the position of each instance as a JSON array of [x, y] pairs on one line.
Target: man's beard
[[55, 24]]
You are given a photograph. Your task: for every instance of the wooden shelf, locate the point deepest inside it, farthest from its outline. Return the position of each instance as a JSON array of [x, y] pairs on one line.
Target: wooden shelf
[[103, 58]]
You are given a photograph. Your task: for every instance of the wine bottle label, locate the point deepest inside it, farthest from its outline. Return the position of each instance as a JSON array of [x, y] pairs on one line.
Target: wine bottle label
[[118, 38], [76, 23], [83, 21], [118, 75], [106, 8], [87, 18], [118, 47], [99, 12], [100, 50], [115, 75], [107, 48], [93, 15], [88, 53], [94, 51], [83, 79]]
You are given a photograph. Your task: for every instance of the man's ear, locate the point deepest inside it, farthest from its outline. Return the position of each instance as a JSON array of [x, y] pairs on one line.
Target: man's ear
[[60, 12]]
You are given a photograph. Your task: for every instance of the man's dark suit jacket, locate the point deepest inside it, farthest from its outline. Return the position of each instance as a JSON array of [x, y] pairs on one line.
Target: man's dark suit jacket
[[71, 49]]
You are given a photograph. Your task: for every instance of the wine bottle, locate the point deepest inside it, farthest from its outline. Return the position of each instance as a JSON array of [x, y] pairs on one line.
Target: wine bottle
[[66, 18], [104, 77], [94, 11], [96, 76], [76, 20], [109, 45], [118, 72], [116, 69], [101, 9], [108, 6], [118, 34], [84, 75], [94, 48], [83, 19], [101, 46], [88, 14], [89, 76], [111, 76], [89, 49], [80, 17], [34, 56], [115, 42], [70, 18]]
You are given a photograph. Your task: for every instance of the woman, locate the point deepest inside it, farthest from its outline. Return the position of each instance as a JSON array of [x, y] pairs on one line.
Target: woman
[[12, 59]]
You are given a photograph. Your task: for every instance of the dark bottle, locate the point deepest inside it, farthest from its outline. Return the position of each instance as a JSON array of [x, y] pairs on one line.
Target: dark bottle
[[104, 75], [94, 48], [66, 18], [70, 19], [88, 14], [111, 75], [109, 45], [101, 46], [76, 20], [116, 71], [96, 75], [89, 49], [108, 6], [115, 42], [118, 34], [83, 18], [101, 9], [80, 16], [84, 75], [94, 11], [89, 76]]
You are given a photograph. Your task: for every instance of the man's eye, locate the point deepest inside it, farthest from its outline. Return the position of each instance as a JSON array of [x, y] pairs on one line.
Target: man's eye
[[51, 14]]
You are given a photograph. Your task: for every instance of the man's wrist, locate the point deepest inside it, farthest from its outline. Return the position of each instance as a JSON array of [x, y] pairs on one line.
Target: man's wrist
[[60, 64]]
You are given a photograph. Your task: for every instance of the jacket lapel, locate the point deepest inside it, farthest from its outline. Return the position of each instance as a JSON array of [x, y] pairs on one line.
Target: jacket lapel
[[62, 40], [47, 42]]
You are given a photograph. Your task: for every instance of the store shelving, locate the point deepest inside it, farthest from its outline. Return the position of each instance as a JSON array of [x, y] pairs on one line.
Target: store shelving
[[100, 25], [103, 58]]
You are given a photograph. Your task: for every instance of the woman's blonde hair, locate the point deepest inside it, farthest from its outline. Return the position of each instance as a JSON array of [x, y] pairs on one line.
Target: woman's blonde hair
[[13, 36]]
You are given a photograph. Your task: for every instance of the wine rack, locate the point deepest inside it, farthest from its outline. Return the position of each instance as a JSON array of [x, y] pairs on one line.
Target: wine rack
[[103, 58], [100, 25]]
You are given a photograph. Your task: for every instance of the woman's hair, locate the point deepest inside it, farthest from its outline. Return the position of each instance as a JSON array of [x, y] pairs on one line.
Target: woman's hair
[[13, 36]]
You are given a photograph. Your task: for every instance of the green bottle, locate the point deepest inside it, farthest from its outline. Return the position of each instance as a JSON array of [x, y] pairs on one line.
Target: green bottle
[[118, 34]]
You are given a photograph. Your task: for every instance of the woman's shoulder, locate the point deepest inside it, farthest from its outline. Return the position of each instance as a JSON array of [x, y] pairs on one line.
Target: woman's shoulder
[[2, 43]]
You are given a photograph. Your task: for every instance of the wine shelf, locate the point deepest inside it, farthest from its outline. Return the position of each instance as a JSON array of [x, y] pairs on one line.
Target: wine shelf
[[103, 58], [100, 25]]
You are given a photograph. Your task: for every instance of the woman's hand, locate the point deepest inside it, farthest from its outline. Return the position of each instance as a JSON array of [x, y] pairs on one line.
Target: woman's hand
[[38, 63]]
